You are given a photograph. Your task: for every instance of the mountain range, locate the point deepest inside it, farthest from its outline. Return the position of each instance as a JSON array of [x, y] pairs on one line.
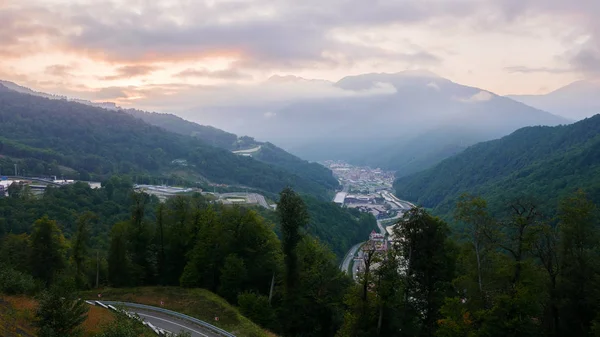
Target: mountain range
[[405, 121], [575, 101], [541, 164], [56, 136]]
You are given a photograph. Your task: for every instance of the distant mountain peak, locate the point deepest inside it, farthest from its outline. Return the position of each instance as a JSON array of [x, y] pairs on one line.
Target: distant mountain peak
[[418, 73]]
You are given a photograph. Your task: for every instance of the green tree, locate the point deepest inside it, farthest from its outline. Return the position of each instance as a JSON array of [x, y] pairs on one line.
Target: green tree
[[160, 239], [472, 216], [292, 218], [119, 262], [257, 308], [15, 251], [80, 245], [429, 257], [139, 240], [233, 277], [580, 265], [60, 313], [47, 250]]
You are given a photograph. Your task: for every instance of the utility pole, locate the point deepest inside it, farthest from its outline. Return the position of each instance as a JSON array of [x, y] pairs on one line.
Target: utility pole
[[97, 269], [16, 175]]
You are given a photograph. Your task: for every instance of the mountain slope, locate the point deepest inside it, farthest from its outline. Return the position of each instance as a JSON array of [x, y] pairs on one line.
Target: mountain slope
[[268, 152], [103, 142], [543, 163], [575, 101]]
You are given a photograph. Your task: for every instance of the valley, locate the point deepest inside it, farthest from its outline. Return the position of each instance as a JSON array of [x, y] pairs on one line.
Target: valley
[[426, 208]]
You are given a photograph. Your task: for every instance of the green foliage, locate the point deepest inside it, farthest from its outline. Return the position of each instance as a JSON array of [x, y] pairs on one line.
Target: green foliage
[[257, 308], [268, 153], [579, 250], [80, 246], [543, 163], [14, 282], [119, 259], [240, 236], [124, 326], [15, 251], [47, 250], [233, 277], [430, 267], [55, 137], [340, 228], [315, 308], [60, 313], [292, 214]]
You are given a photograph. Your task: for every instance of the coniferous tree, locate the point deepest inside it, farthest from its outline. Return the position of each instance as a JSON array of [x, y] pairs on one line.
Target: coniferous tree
[[80, 245], [119, 262], [580, 265], [60, 312], [47, 250], [292, 218]]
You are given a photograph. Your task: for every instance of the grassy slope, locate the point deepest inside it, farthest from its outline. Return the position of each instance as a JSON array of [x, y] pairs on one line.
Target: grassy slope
[[199, 303], [17, 315]]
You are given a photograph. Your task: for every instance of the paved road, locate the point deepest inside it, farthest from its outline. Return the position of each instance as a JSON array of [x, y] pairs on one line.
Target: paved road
[[252, 150], [172, 324], [349, 258]]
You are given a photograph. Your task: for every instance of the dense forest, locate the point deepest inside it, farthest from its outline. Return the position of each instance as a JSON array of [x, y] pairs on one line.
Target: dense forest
[[543, 164], [186, 242], [337, 227], [340, 228], [80, 140], [520, 273], [268, 153]]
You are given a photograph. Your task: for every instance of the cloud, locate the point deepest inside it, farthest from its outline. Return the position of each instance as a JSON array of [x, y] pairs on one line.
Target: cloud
[[130, 71], [60, 70], [270, 114], [230, 74], [434, 86], [586, 58], [421, 57], [481, 96], [525, 70], [109, 93]]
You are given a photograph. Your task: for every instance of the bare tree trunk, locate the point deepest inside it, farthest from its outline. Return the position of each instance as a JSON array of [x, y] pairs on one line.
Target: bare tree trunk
[[97, 269], [272, 286], [380, 321]]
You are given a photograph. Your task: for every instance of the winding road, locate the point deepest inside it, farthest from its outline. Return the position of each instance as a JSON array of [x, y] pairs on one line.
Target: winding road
[[165, 322], [349, 257], [403, 205]]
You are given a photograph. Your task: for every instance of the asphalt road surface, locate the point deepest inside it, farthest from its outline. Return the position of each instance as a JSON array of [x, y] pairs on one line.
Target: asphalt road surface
[[171, 324], [349, 258]]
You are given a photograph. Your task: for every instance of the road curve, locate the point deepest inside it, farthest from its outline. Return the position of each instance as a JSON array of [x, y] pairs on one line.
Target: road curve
[[349, 257], [168, 321], [172, 324]]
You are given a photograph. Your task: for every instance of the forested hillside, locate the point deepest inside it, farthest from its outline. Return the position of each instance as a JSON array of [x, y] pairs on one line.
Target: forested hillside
[[268, 152], [520, 273], [340, 228], [100, 142], [209, 134], [184, 241], [538, 163]]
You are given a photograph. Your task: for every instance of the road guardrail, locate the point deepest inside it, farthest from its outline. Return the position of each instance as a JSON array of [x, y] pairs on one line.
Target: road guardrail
[[171, 313]]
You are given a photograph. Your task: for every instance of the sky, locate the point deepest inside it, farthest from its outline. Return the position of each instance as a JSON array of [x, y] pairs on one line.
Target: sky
[[161, 54]]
